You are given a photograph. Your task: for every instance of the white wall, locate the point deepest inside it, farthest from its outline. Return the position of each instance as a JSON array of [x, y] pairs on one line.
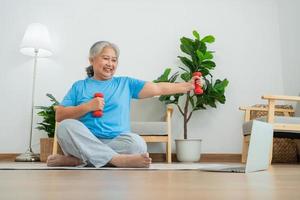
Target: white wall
[[290, 45], [147, 32]]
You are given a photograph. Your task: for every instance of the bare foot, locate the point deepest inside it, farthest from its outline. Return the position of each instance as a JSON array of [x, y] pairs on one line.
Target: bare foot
[[61, 160], [131, 160]]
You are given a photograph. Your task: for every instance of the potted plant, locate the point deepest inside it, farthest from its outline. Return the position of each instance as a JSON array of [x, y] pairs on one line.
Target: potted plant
[[47, 125], [196, 58]]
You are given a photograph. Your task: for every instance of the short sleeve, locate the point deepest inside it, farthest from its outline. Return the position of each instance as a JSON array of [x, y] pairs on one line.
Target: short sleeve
[[135, 86], [70, 98]]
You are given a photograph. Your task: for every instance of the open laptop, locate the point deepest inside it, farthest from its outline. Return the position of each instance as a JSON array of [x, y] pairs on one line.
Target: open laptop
[[259, 149]]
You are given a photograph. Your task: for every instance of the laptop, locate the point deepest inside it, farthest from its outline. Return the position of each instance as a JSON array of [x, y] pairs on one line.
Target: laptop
[[259, 149]]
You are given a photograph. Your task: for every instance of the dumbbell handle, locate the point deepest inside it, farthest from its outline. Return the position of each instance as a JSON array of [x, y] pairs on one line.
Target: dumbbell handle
[[198, 89], [98, 113]]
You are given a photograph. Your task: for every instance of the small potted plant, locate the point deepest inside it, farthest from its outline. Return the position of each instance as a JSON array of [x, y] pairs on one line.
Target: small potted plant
[[47, 125], [197, 58]]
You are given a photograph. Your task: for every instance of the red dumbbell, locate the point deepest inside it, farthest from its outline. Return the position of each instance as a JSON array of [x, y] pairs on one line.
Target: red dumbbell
[[198, 89], [98, 113]]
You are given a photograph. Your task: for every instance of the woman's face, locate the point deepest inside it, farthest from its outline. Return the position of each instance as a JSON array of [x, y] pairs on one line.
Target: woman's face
[[104, 64]]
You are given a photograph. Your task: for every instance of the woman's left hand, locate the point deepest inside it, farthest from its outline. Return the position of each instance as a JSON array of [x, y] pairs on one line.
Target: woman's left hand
[[197, 80]]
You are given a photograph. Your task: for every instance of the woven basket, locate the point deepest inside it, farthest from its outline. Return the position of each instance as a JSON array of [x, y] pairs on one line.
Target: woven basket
[[284, 149], [297, 141], [255, 114]]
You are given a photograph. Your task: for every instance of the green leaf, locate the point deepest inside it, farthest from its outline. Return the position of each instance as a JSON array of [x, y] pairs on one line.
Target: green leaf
[[200, 55], [163, 97], [208, 56], [208, 64], [211, 52], [204, 71], [185, 50], [48, 115], [221, 99], [225, 82], [41, 107], [184, 69], [196, 35], [202, 47], [52, 98], [191, 99], [164, 76], [173, 77], [187, 42], [167, 99], [197, 45], [208, 39], [200, 103], [196, 61], [187, 45], [187, 62], [221, 85], [186, 76]]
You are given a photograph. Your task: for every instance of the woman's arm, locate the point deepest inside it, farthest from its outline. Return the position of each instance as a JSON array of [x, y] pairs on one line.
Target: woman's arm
[[75, 112], [156, 89], [163, 88]]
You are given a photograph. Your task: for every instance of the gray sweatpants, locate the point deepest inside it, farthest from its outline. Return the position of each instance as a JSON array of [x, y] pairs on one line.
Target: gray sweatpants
[[77, 140]]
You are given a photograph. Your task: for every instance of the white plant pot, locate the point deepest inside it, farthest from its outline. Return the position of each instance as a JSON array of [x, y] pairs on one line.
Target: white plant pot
[[188, 150]]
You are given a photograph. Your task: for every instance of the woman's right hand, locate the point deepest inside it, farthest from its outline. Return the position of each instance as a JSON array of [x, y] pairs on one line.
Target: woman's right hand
[[96, 103]]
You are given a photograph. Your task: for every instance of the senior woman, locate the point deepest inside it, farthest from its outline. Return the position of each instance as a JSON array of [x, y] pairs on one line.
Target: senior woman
[[105, 140]]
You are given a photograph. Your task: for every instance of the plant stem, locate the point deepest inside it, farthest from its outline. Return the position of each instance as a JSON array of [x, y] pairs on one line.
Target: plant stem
[[180, 109], [185, 120], [190, 115]]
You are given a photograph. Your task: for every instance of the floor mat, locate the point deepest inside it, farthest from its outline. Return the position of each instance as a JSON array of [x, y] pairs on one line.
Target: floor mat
[[154, 166]]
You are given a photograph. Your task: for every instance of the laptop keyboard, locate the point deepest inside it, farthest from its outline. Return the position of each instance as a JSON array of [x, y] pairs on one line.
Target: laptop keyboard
[[234, 169]]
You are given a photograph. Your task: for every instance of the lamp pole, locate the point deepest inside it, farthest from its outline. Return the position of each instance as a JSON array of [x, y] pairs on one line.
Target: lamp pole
[[36, 51], [29, 156]]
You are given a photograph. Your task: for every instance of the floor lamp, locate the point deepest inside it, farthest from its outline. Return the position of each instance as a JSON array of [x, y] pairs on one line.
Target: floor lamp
[[36, 43]]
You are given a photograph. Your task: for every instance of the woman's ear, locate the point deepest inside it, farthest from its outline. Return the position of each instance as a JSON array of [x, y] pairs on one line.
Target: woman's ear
[[91, 61]]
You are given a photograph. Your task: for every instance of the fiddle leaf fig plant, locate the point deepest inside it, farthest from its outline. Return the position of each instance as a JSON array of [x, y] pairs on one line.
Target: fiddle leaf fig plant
[[48, 114], [196, 58]]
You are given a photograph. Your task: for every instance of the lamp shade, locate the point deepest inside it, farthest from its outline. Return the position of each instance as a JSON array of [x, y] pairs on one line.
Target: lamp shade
[[36, 37]]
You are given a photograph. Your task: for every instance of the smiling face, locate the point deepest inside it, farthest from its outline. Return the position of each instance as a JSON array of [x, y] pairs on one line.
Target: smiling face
[[104, 64]]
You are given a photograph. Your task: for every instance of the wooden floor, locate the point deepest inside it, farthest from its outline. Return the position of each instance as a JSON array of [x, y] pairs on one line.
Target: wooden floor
[[280, 182]]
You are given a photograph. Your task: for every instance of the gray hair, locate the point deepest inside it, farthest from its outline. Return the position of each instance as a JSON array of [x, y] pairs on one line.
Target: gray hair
[[96, 49]]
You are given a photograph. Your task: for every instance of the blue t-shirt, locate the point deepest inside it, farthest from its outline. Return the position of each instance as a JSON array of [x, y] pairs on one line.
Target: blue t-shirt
[[117, 92]]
